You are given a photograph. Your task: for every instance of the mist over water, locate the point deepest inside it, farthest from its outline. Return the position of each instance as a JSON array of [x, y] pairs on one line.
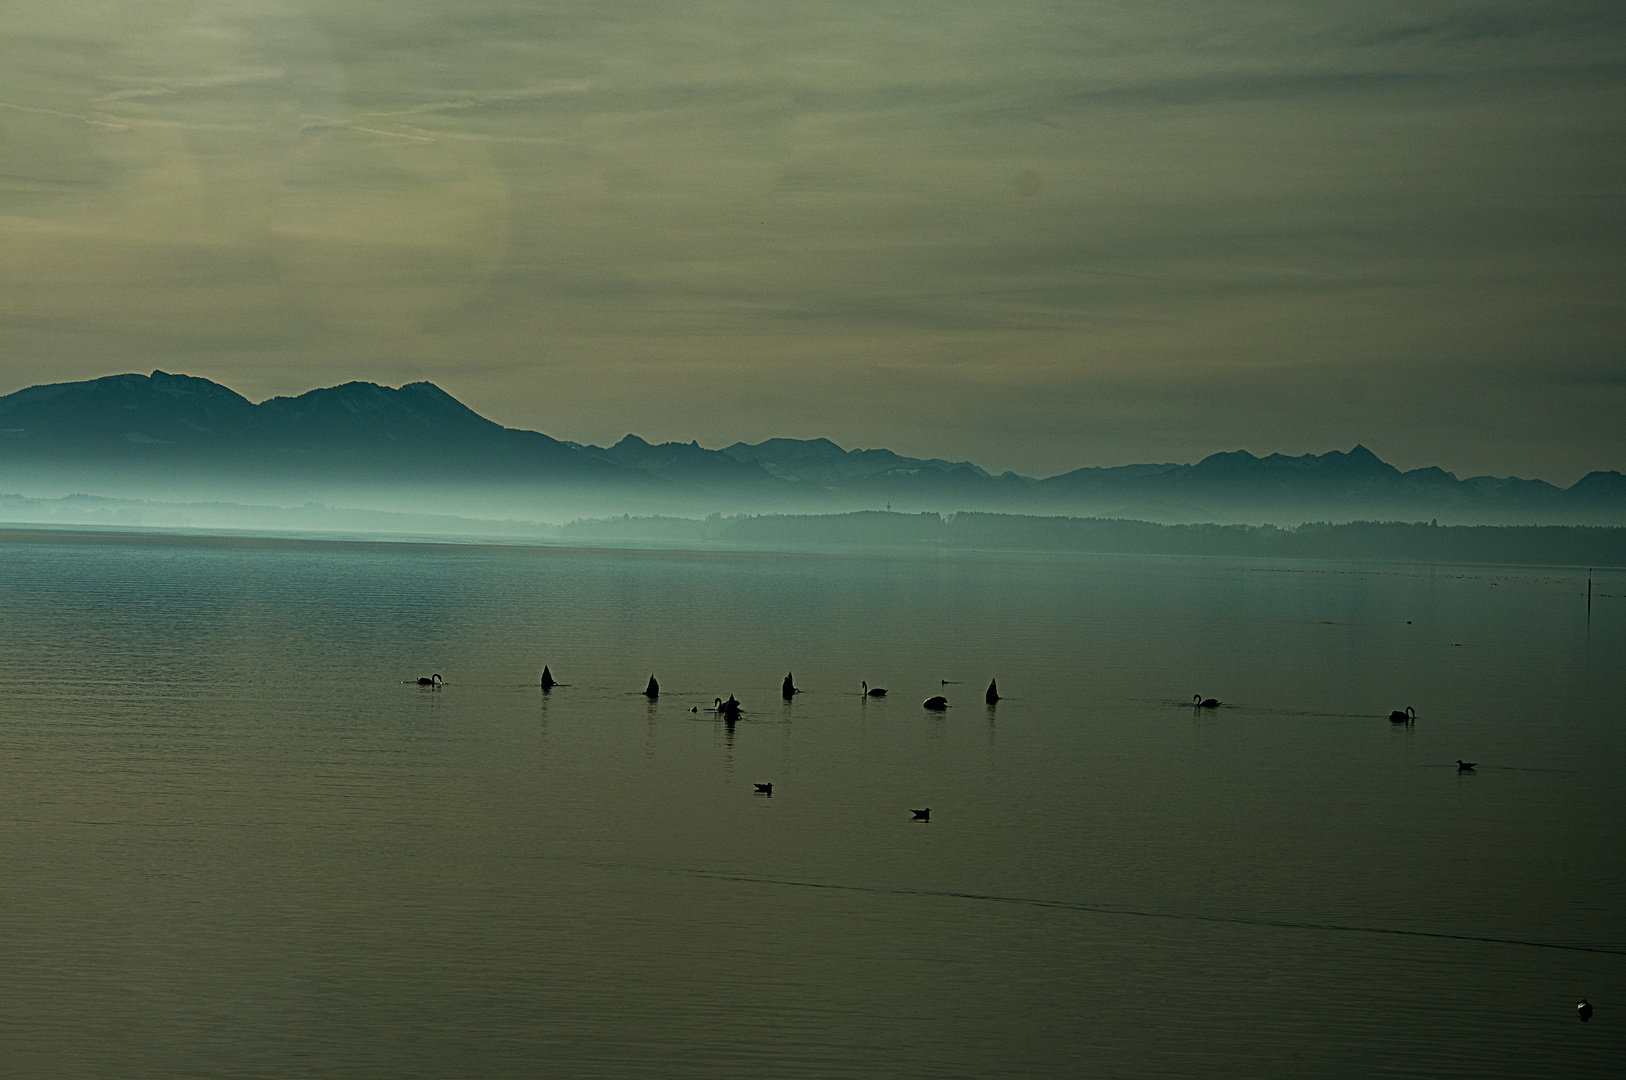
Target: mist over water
[[242, 841]]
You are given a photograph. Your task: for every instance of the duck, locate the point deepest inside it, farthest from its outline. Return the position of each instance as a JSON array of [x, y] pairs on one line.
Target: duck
[[922, 815], [788, 690], [1398, 717], [1198, 701], [653, 690], [434, 680], [763, 789], [936, 704], [992, 695], [871, 691], [1465, 766], [548, 682]]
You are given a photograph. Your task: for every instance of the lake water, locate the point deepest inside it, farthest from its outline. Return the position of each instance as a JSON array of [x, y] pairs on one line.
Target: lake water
[[239, 842]]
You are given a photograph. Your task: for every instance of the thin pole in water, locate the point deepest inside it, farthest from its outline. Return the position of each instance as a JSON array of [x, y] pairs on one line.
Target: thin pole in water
[[1589, 592]]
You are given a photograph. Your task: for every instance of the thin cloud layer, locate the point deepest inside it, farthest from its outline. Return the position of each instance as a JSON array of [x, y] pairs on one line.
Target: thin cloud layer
[[1036, 235]]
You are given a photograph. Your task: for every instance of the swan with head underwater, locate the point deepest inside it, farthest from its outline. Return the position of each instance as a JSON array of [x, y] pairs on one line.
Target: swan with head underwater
[[788, 689]]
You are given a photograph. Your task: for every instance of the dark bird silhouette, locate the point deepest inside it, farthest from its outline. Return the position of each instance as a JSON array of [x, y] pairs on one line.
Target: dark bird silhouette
[[729, 709], [653, 690], [1583, 1009], [1200, 702], [1465, 766], [922, 815], [788, 690], [993, 691], [871, 691], [1398, 717], [936, 704], [763, 789], [547, 678], [433, 680]]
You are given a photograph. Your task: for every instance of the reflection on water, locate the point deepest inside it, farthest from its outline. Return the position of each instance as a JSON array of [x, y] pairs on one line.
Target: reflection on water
[[241, 839]]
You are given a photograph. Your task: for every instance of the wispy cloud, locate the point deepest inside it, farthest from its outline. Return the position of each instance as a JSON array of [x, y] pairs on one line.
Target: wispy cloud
[[1038, 235]]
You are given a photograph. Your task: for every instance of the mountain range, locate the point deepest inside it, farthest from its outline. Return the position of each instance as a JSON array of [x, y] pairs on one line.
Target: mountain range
[[164, 436]]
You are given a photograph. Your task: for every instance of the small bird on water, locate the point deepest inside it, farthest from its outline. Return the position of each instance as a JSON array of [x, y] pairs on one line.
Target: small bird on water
[[1583, 1009], [763, 789], [925, 815], [1465, 766]]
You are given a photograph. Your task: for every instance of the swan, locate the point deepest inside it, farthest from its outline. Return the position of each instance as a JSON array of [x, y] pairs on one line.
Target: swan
[[653, 690], [922, 815], [729, 708], [788, 690], [1398, 717], [763, 789], [869, 691], [433, 680], [993, 692], [1465, 766], [936, 704], [548, 682], [1583, 1009], [1200, 702]]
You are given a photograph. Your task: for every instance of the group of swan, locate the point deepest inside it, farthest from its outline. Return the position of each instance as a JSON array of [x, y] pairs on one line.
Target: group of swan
[[788, 689]]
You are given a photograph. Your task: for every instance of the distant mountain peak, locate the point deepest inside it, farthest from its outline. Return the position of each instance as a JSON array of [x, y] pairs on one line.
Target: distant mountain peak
[[173, 429]]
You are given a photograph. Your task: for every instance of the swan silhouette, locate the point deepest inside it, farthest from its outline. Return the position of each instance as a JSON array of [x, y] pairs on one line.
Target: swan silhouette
[[763, 789], [1398, 717], [653, 690], [993, 692], [548, 682], [730, 708], [870, 691], [936, 704], [1583, 1009], [1465, 766], [1200, 702], [788, 690], [433, 680], [922, 815]]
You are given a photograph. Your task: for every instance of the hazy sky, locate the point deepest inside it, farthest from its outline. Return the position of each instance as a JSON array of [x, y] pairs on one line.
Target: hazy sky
[[1034, 234]]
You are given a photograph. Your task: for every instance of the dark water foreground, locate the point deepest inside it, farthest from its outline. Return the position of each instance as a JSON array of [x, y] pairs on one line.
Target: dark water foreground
[[237, 843]]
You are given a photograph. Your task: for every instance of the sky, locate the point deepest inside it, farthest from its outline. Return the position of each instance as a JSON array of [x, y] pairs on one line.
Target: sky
[[1034, 235]]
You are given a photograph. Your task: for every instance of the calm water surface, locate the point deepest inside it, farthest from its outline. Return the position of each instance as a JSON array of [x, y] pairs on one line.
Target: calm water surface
[[238, 842]]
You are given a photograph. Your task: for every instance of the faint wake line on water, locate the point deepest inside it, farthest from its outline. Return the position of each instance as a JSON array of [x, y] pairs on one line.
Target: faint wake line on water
[[1105, 909]]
